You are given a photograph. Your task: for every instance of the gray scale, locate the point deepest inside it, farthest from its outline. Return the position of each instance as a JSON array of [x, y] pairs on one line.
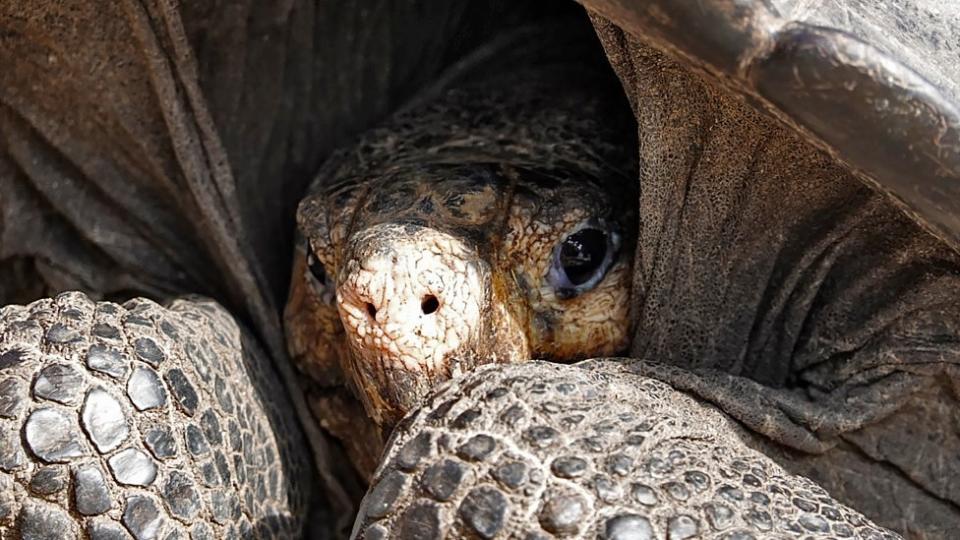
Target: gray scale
[[181, 496], [60, 383], [183, 391], [628, 527], [146, 349], [43, 521], [160, 442], [142, 517], [145, 389], [103, 419], [11, 401], [54, 436], [91, 494], [107, 360], [484, 511], [48, 480], [12, 358], [61, 334], [133, 467], [12, 456], [563, 513], [106, 530]]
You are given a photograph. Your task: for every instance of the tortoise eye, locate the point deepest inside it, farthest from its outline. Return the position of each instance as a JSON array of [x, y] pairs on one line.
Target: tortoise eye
[[582, 258], [320, 281], [317, 270]]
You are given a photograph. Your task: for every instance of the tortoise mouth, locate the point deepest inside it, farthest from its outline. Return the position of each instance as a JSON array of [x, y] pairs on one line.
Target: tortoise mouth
[[410, 299], [401, 337]]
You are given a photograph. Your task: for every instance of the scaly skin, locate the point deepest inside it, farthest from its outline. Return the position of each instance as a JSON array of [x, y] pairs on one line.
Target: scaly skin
[[540, 451], [436, 239], [380, 220], [890, 395], [164, 422], [461, 202]]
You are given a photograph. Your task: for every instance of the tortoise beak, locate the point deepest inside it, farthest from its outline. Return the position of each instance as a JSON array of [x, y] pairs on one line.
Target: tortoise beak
[[410, 298]]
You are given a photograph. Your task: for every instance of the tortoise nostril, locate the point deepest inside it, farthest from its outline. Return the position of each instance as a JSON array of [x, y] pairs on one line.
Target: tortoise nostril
[[429, 304], [372, 310]]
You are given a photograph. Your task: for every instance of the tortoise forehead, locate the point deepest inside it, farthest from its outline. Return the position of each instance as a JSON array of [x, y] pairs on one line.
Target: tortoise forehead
[[470, 201], [455, 197]]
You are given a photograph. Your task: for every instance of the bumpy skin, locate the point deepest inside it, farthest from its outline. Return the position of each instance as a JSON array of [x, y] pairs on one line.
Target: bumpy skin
[[142, 420], [542, 450], [463, 200], [768, 281], [87, 112], [799, 301], [865, 385]]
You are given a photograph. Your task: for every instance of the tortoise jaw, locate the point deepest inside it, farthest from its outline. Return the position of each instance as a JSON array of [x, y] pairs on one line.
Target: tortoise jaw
[[410, 299], [388, 390]]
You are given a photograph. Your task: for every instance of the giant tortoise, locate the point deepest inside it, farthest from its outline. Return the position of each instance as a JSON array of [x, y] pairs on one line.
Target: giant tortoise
[[775, 267]]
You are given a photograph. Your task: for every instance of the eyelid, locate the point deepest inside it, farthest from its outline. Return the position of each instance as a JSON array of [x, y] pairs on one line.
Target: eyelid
[[310, 247], [311, 256], [556, 276]]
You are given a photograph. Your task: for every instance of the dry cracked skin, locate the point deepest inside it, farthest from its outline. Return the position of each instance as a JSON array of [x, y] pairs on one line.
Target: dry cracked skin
[[493, 222], [447, 239]]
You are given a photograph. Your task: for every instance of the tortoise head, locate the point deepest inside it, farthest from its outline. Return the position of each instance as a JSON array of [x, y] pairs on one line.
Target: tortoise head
[[424, 270]]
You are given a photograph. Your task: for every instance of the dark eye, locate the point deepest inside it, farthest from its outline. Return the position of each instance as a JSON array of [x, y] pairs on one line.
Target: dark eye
[[581, 260], [317, 270]]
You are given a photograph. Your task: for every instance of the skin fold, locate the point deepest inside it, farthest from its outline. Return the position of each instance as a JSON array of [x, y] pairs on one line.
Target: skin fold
[[428, 249], [160, 149], [767, 281]]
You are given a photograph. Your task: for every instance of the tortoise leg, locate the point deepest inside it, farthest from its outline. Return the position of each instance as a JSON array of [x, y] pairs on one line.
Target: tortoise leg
[[540, 450], [161, 421]]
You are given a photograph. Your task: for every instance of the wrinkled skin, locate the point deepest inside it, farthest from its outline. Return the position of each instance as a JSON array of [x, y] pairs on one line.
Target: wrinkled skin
[[840, 308], [185, 117], [538, 450], [160, 149], [465, 202], [821, 337]]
